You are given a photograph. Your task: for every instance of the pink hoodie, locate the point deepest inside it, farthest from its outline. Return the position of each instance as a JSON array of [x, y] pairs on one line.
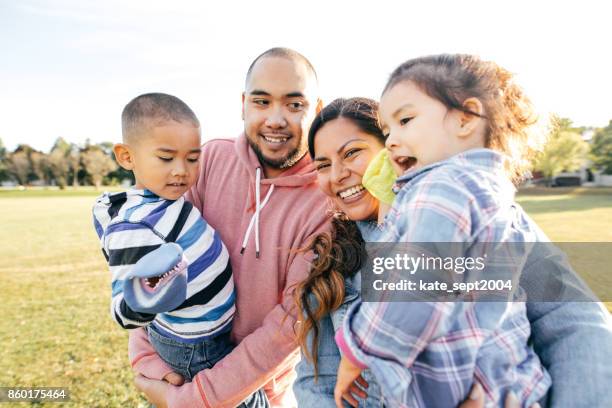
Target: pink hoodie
[[292, 211]]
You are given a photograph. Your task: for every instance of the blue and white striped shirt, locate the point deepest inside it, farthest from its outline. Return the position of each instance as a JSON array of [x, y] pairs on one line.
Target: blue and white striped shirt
[[134, 223]]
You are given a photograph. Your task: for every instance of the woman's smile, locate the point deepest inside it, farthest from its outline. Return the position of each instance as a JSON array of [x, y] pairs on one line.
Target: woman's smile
[[352, 194]]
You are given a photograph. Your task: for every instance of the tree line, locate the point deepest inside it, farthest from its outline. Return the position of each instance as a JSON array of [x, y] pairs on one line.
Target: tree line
[[566, 149], [94, 164], [65, 164]]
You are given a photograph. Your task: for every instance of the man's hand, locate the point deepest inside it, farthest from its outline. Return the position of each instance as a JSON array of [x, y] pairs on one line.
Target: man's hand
[[477, 399], [346, 383], [154, 390]]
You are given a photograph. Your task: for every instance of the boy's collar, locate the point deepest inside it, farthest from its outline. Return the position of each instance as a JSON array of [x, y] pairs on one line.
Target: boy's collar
[[142, 192]]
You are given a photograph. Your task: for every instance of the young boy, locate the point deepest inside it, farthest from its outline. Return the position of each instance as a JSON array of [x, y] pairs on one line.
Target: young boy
[[171, 272]]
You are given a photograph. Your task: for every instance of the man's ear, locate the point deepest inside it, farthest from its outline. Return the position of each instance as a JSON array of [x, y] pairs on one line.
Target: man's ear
[[319, 106], [468, 122], [124, 156], [242, 111]]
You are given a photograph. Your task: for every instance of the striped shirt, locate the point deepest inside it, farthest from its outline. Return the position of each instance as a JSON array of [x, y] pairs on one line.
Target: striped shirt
[[134, 223], [426, 354]]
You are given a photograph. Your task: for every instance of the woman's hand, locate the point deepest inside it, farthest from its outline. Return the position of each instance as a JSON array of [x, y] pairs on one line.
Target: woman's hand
[[346, 383], [154, 390], [477, 399]]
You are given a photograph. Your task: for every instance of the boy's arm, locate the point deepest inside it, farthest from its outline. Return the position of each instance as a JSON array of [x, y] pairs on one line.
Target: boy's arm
[[113, 237], [121, 258], [126, 317]]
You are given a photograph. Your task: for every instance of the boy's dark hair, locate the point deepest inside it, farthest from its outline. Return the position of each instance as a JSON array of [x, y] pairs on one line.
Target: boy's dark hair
[[283, 53], [152, 109]]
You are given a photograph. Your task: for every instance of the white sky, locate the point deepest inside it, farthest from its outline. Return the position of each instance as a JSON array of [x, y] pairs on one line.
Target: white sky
[[67, 67]]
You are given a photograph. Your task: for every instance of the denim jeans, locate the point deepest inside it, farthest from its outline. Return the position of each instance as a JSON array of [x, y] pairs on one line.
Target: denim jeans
[[187, 359]]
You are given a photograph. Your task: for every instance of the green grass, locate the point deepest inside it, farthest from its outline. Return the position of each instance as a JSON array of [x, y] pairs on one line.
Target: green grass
[[571, 215], [56, 329]]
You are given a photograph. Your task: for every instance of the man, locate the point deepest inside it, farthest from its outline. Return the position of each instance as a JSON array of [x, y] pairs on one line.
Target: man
[[259, 192]]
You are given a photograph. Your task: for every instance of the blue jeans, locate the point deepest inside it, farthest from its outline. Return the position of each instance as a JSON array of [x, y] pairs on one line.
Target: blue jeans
[[187, 359]]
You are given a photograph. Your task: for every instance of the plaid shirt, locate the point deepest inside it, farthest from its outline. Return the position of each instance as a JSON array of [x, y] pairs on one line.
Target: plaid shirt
[[428, 354]]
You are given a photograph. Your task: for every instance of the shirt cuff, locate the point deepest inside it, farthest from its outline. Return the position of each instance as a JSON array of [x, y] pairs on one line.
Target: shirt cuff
[[346, 351]]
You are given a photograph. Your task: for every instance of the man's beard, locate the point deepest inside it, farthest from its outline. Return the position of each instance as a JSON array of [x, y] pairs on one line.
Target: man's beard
[[283, 163]]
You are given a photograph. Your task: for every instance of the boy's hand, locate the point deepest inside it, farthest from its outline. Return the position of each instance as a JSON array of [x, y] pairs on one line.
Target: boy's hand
[[345, 383], [174, 379], [154, 390]]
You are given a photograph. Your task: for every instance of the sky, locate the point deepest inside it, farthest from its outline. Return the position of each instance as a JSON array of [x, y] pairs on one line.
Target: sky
[[67, 67]]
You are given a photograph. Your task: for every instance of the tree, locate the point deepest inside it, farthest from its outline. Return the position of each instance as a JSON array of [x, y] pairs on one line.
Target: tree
[[74, 162], [59, 167], [18, 165], [97, 163], [565, 151], [4, 174], [107, 147], [58, 162], [40, 166], [61, 144], [601, 149]]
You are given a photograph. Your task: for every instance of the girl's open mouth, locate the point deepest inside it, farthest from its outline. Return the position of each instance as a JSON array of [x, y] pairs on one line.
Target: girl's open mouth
[[404, 163]]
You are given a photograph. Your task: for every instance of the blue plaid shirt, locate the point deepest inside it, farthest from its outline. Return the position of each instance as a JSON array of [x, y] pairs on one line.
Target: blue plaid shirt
[[427, 354]]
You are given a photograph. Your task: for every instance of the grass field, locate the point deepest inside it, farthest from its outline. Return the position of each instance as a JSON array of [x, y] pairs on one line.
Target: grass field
[[56, 330]]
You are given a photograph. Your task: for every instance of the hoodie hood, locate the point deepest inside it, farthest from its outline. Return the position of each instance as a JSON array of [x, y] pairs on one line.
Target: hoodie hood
[[300, 174]]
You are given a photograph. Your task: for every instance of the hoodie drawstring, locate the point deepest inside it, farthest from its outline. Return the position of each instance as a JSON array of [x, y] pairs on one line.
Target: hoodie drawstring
[[255, 218]]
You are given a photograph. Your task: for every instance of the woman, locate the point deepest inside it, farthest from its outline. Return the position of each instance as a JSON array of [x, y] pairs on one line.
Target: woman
[[570, 338], [348, 138]]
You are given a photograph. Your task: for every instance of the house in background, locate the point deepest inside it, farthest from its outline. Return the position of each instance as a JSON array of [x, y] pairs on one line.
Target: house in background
[[587, 175]]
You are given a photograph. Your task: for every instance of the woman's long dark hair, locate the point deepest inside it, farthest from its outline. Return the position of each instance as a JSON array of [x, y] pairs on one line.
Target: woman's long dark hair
[[341, 252]]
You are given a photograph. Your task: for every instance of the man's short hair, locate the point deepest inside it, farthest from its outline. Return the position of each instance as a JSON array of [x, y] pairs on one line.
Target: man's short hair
[[283, 53], [154, 109]]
